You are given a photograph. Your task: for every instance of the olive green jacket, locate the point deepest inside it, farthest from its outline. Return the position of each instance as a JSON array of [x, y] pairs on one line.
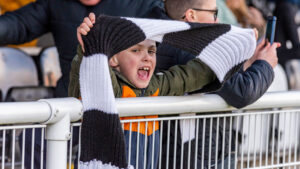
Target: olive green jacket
[[174, 82]]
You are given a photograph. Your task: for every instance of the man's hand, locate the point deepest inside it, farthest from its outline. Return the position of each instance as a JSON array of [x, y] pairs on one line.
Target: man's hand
[[269, 53], [85, 27], [264, 52]]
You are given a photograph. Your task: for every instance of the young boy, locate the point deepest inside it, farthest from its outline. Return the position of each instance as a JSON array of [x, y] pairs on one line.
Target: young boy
[[131, 73], [132, 63]]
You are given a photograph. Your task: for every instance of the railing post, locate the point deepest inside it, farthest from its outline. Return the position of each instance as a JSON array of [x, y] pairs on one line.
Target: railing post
[[57, 136], [63, 111]]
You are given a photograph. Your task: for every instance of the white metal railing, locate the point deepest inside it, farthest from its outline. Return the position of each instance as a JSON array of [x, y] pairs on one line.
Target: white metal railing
[[200, 103], [56, 115]]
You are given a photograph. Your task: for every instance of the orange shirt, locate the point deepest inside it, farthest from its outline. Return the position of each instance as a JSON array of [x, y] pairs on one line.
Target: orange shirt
[[141, 127]]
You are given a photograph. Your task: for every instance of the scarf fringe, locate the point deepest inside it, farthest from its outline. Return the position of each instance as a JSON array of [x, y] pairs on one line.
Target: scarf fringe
[[94, 164]]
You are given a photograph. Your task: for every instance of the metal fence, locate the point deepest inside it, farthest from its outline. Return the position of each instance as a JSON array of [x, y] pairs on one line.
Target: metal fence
[[199, 131], [260, 139]]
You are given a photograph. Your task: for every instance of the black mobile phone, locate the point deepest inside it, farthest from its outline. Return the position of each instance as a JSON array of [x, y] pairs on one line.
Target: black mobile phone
[[270, 31]]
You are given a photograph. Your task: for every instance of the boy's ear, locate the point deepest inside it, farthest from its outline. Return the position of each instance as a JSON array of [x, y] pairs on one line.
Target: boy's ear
[[113, 61]]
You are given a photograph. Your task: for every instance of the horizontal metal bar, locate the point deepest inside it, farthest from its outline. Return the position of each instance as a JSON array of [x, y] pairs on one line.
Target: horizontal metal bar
[[76, 124], [200, 103], [24, 112], [211, 115], [42, 111], [22, 127], [278, 165]]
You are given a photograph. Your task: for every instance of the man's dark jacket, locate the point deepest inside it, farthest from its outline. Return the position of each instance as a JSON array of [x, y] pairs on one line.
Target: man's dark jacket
[[62, 17]]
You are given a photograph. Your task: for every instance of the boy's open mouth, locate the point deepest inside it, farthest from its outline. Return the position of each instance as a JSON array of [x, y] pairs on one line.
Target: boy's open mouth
[[143, 72]]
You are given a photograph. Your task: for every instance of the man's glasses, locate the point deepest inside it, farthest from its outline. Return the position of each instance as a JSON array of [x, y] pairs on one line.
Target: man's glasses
[[215, 11]]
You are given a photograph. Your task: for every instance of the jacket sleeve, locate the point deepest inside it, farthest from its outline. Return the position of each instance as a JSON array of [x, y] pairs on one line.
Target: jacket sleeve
[[24, 24], [180, 79], [74, 87], [245, 87]]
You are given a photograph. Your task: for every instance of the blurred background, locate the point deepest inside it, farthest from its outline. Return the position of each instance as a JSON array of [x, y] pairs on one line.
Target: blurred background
[[34, 68]]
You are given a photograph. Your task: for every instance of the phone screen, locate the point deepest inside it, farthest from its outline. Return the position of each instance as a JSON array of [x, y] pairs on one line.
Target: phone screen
[[270, 31]]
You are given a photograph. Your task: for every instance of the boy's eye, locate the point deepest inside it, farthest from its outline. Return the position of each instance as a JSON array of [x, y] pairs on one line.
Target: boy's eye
[[152, 51], [135, 50]]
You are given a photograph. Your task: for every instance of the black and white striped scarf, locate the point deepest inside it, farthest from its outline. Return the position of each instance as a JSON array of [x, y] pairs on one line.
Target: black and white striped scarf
[[221, 47]]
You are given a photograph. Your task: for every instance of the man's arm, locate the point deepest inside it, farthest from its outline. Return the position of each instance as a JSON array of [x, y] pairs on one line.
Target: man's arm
[[245, 87], [24, 24]]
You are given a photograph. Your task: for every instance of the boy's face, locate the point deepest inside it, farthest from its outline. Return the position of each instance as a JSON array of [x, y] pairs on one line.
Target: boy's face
[[136, 63]]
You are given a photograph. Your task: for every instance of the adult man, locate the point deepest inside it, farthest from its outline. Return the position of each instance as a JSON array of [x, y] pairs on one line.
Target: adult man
[[62, 17], [206, 13], [242, 89]]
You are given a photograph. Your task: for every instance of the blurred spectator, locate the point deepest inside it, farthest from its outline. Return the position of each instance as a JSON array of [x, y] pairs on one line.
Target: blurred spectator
[[61, 17], [287, 29], [240, 10], [225, 15], [247, 16], [264, 6], [11, 5], [49, 64]]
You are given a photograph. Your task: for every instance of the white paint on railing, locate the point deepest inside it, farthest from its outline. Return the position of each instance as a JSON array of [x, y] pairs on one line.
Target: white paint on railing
[[57, 114], [63, 111], [200, 103], [63, 106], [43, 111], [52, 110], [24, 112]]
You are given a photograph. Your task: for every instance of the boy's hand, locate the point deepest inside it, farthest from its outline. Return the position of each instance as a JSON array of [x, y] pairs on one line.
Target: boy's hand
[[84, 28]]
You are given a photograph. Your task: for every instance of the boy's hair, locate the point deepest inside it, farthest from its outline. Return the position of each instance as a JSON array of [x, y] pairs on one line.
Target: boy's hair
[[176, 8]]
